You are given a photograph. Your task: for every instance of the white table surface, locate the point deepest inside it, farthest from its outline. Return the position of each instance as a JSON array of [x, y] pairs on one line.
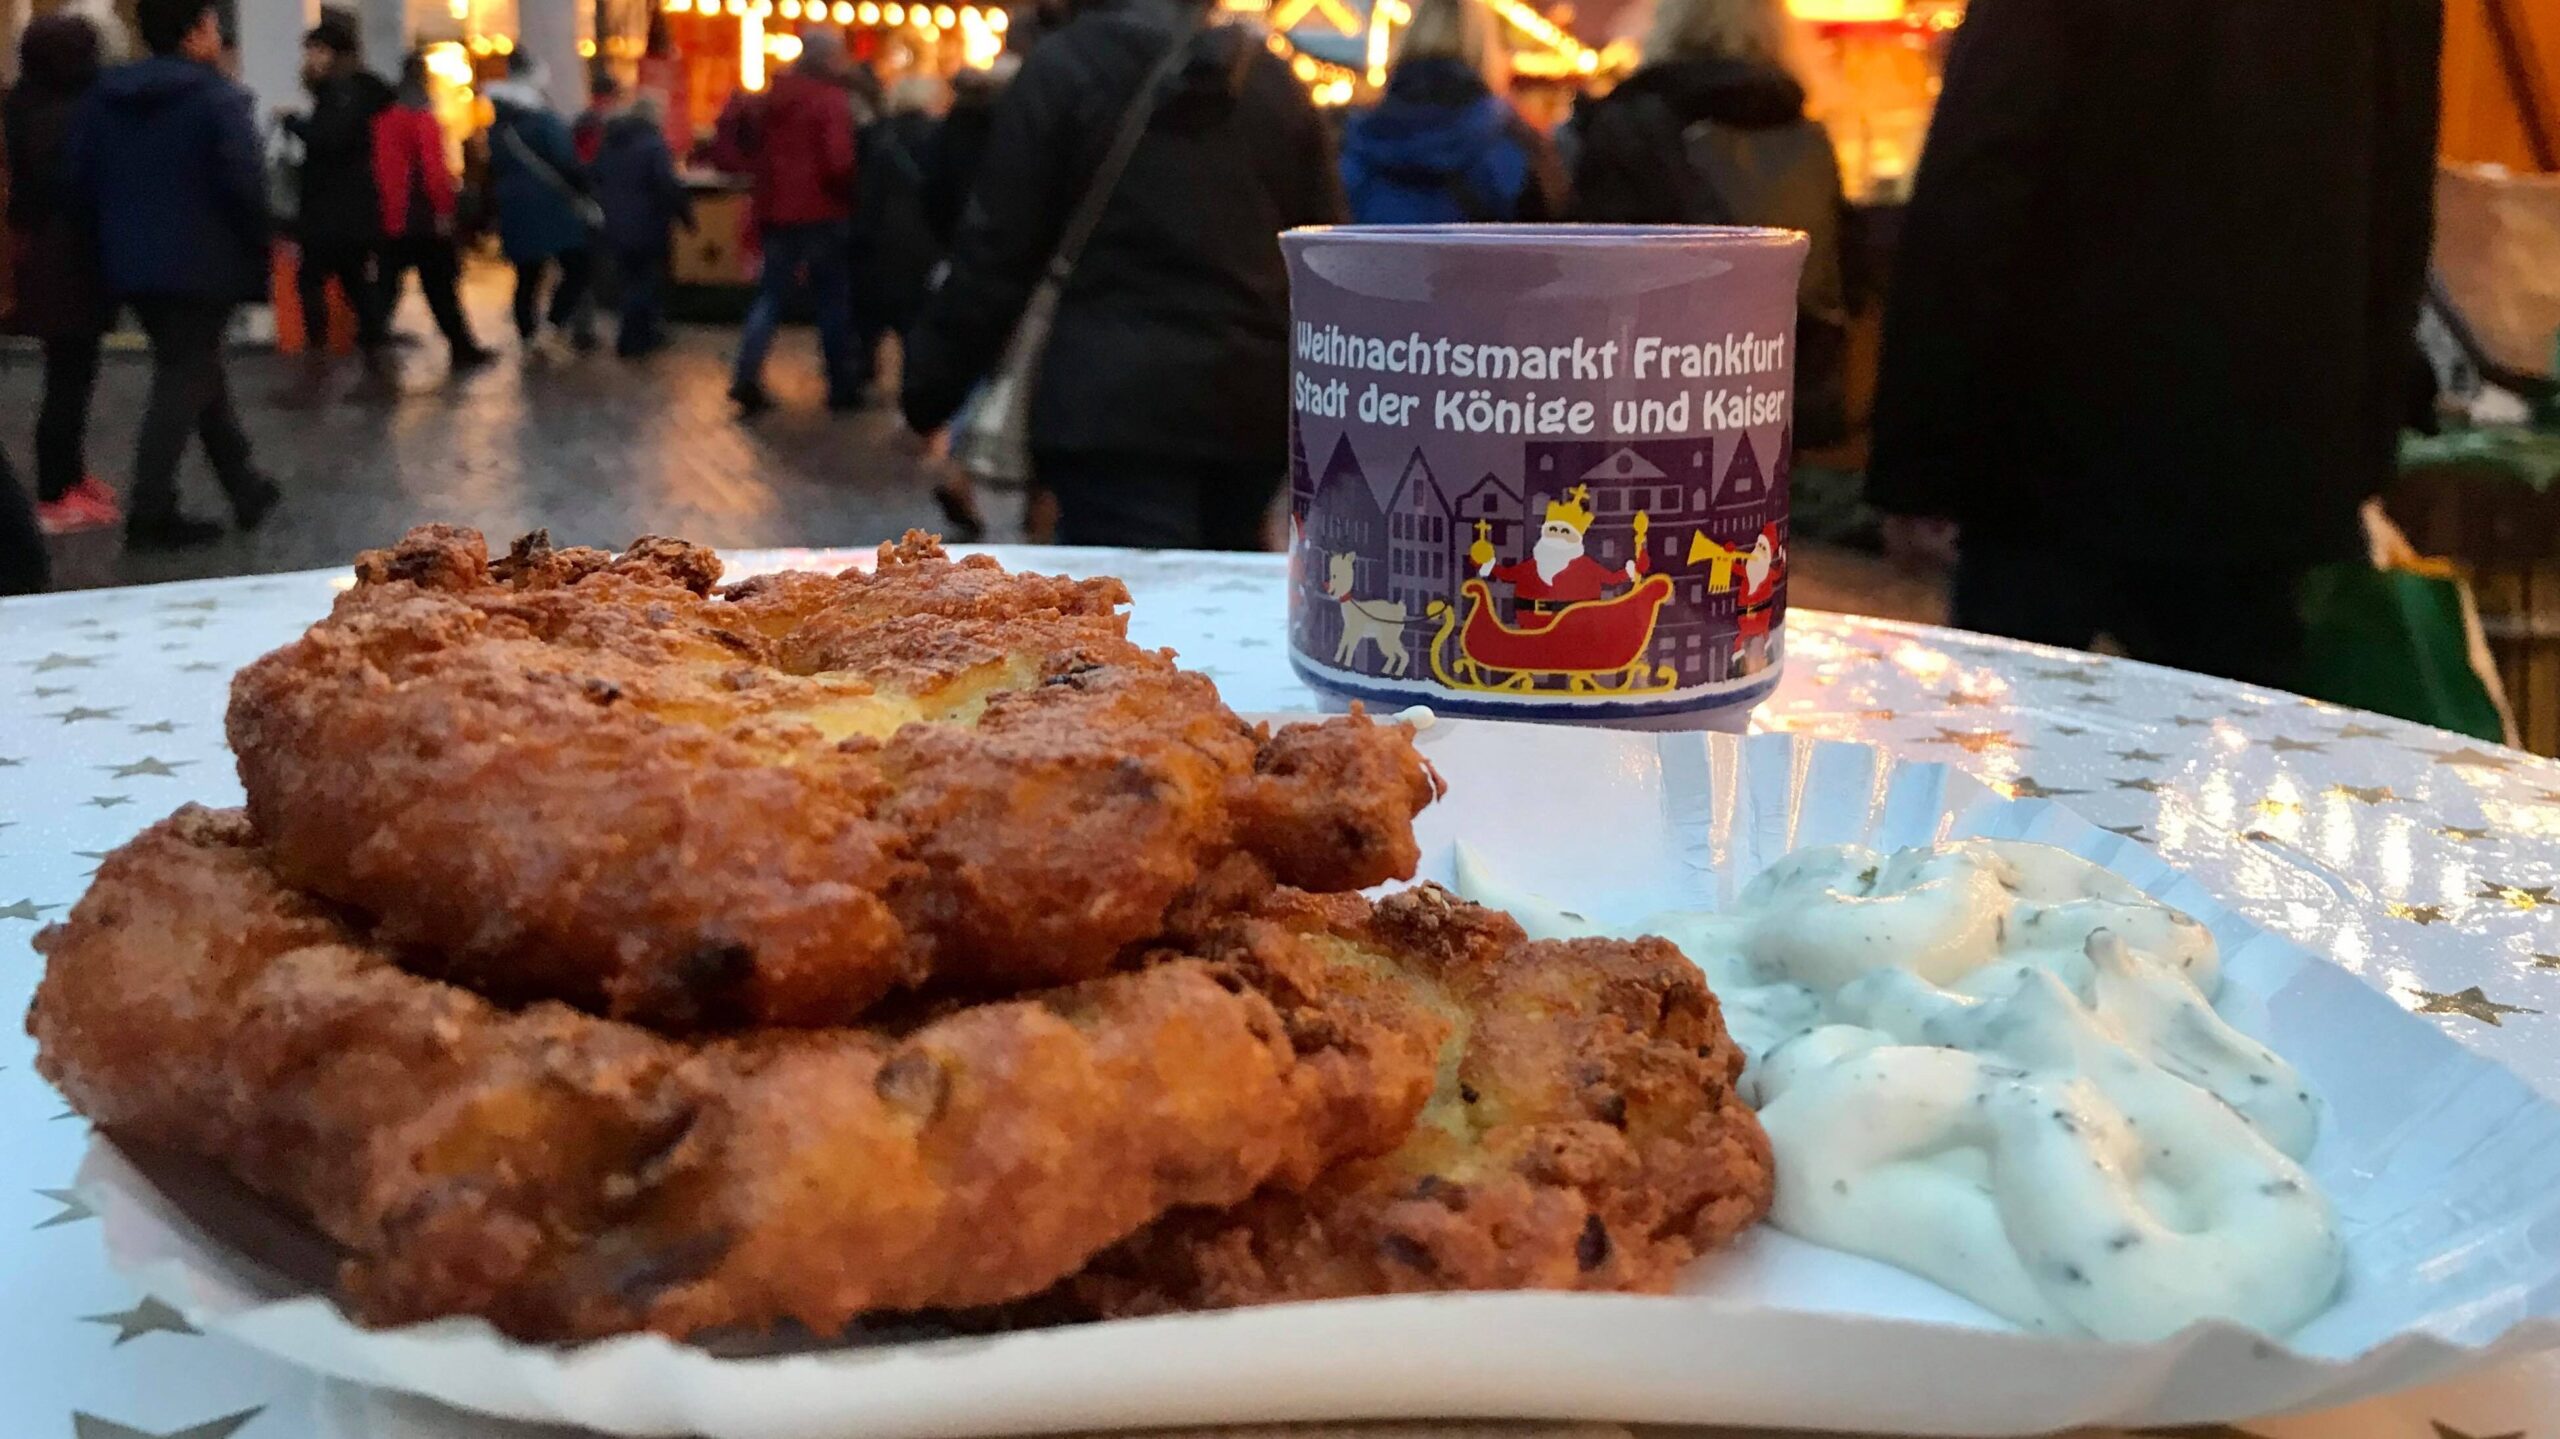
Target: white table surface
[[2394, 849]]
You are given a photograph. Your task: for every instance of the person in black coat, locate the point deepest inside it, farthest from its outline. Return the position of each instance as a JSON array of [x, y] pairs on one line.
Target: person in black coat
[[643, 202], [339, 219], [895, 249], [959, 144], [2152, 299], [163, 168], [58, 299], [1161, 412], [1712, 129]]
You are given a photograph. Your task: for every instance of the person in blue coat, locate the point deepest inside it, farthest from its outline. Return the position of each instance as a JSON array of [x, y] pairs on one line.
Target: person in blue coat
[[1443, 145], [644, 202], [163, 169], [544, 201]]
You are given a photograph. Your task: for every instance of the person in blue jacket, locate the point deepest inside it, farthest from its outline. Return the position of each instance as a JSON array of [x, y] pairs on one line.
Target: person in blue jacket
[[163, 169], [1443, 144], [543, 199], [644, 202]]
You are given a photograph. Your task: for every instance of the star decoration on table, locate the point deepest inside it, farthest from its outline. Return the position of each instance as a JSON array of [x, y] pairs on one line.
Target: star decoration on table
[[77, 713], [196, 622], [150, 765], [2143, 782], [193, 605], [2283, 744], [2260, 836], [2139, 756], [98, 854], [73, 1211], [156, 727], [59, 661], [1963, 699], [2129, 831], [2447, 1431], [148, 1317], [25, 909], [173, 647], [2415, 913], [90, 1426], [46, 692], [2517, 895], [2026, 787], [2190, 722], [2066, 674], [2460, 835], [1973, 741], [108, 801], [197, 667], [2471, 758], [2069, 729], [2362, 731], [2469, 1002], [2272, 807], [2367, 794], [11, 761]]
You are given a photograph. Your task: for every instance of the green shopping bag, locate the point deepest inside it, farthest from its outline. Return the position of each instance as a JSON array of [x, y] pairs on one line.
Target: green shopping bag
[[2397, 642]]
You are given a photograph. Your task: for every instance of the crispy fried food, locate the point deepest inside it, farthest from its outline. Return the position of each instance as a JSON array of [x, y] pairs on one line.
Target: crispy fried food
[[568, 1176], [1584, 1132], [574, 775]]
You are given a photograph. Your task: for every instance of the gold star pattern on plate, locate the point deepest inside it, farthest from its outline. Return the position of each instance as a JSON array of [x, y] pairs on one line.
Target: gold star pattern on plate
[[90, 1426], [2362, 731], [2283, 744], [2142, 782], [53, 662], [2367, 794], [2139, 756], [2460, 835], [2469, 1002], [73, 1211], [108, 801], [156, 727], [148, 1317], [2026, 787], [2474, 758], [1973, 741], [2415, 913], [150, 765], [25, 909], [2515, 894], [77, 713]]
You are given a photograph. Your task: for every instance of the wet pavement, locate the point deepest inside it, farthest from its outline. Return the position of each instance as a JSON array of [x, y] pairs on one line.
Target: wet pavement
[[594, 449]]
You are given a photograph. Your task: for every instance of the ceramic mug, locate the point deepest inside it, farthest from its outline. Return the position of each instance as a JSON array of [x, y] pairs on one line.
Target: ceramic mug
[[1540, 471]]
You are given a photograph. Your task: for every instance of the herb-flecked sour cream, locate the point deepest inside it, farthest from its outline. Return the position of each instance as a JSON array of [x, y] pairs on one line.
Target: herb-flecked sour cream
[[1998, 1065]]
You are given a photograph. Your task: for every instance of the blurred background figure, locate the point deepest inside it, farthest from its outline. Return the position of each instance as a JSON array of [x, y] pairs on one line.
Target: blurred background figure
[[959, 143], [338, 221], [418, 208], [25, 568], [57, 297], [604, 101], [2152, 311], [1711, 130], [644, 202], [800, 148], [541, 194], [164, 170], [1160, 416], [895, 246], [1443, 144]]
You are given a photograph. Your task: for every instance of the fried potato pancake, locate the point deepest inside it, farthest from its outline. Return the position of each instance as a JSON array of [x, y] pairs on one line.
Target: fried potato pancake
[[567, 1176], [572, 775], [1584, 1131]]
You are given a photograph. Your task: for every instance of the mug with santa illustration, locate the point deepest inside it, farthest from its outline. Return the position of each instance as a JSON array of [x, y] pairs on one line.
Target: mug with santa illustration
[[1539, 472]]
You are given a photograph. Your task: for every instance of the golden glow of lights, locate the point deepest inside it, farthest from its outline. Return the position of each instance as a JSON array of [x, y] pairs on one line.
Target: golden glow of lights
[[479, 44], [447, 63], [784, 47], [790, 9], [999, 20], [870, 12], [895, 14], [586, 49], [979, 43], [1305, 66], [1838, 12], [945, 17], [751, 73], [458, 9], [843, 12], [927, 30], [737, 7]]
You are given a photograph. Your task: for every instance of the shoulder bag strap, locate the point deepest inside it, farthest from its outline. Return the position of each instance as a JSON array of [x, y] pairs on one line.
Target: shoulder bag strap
[[1087, 216]]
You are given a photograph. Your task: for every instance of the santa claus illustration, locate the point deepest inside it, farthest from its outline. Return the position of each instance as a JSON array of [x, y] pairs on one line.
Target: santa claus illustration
[[1558, 571], [1763, 571]]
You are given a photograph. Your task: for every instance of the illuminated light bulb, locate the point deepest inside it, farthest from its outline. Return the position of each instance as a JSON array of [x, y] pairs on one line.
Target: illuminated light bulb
[[737, 7], [944, 18], [790, 9], [503, 45], [1587, 62], [999, 21], [870, 12], [1305, 68], [895, 14], [586, 49], [763, 8], [843, 12]]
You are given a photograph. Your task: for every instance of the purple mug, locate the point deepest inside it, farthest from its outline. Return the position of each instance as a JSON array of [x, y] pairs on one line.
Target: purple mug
[[1539, 472]]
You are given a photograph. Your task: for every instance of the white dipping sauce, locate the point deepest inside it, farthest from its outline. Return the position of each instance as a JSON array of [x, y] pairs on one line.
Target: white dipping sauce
[[1997, 1065]]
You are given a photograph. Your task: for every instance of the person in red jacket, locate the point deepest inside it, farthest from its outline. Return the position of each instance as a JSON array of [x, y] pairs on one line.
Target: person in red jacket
[[801, 154], [417, 213]]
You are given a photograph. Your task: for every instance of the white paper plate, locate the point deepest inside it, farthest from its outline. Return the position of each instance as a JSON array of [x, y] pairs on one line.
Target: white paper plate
[[2445, 1170]]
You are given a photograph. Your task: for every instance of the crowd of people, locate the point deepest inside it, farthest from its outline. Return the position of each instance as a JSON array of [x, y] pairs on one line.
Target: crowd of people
[[2106, 333]]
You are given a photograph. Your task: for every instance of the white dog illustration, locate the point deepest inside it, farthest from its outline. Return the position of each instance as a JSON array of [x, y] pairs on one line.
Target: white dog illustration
[[1378, 622]]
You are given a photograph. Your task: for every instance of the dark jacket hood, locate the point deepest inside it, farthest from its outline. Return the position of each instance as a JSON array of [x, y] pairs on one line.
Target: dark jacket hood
[[627, 128], [58, 55], [1436, 116], [156, 81], [1743, 93]]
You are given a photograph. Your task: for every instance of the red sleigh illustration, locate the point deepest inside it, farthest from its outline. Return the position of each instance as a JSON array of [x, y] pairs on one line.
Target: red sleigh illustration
[[1595, 647]]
